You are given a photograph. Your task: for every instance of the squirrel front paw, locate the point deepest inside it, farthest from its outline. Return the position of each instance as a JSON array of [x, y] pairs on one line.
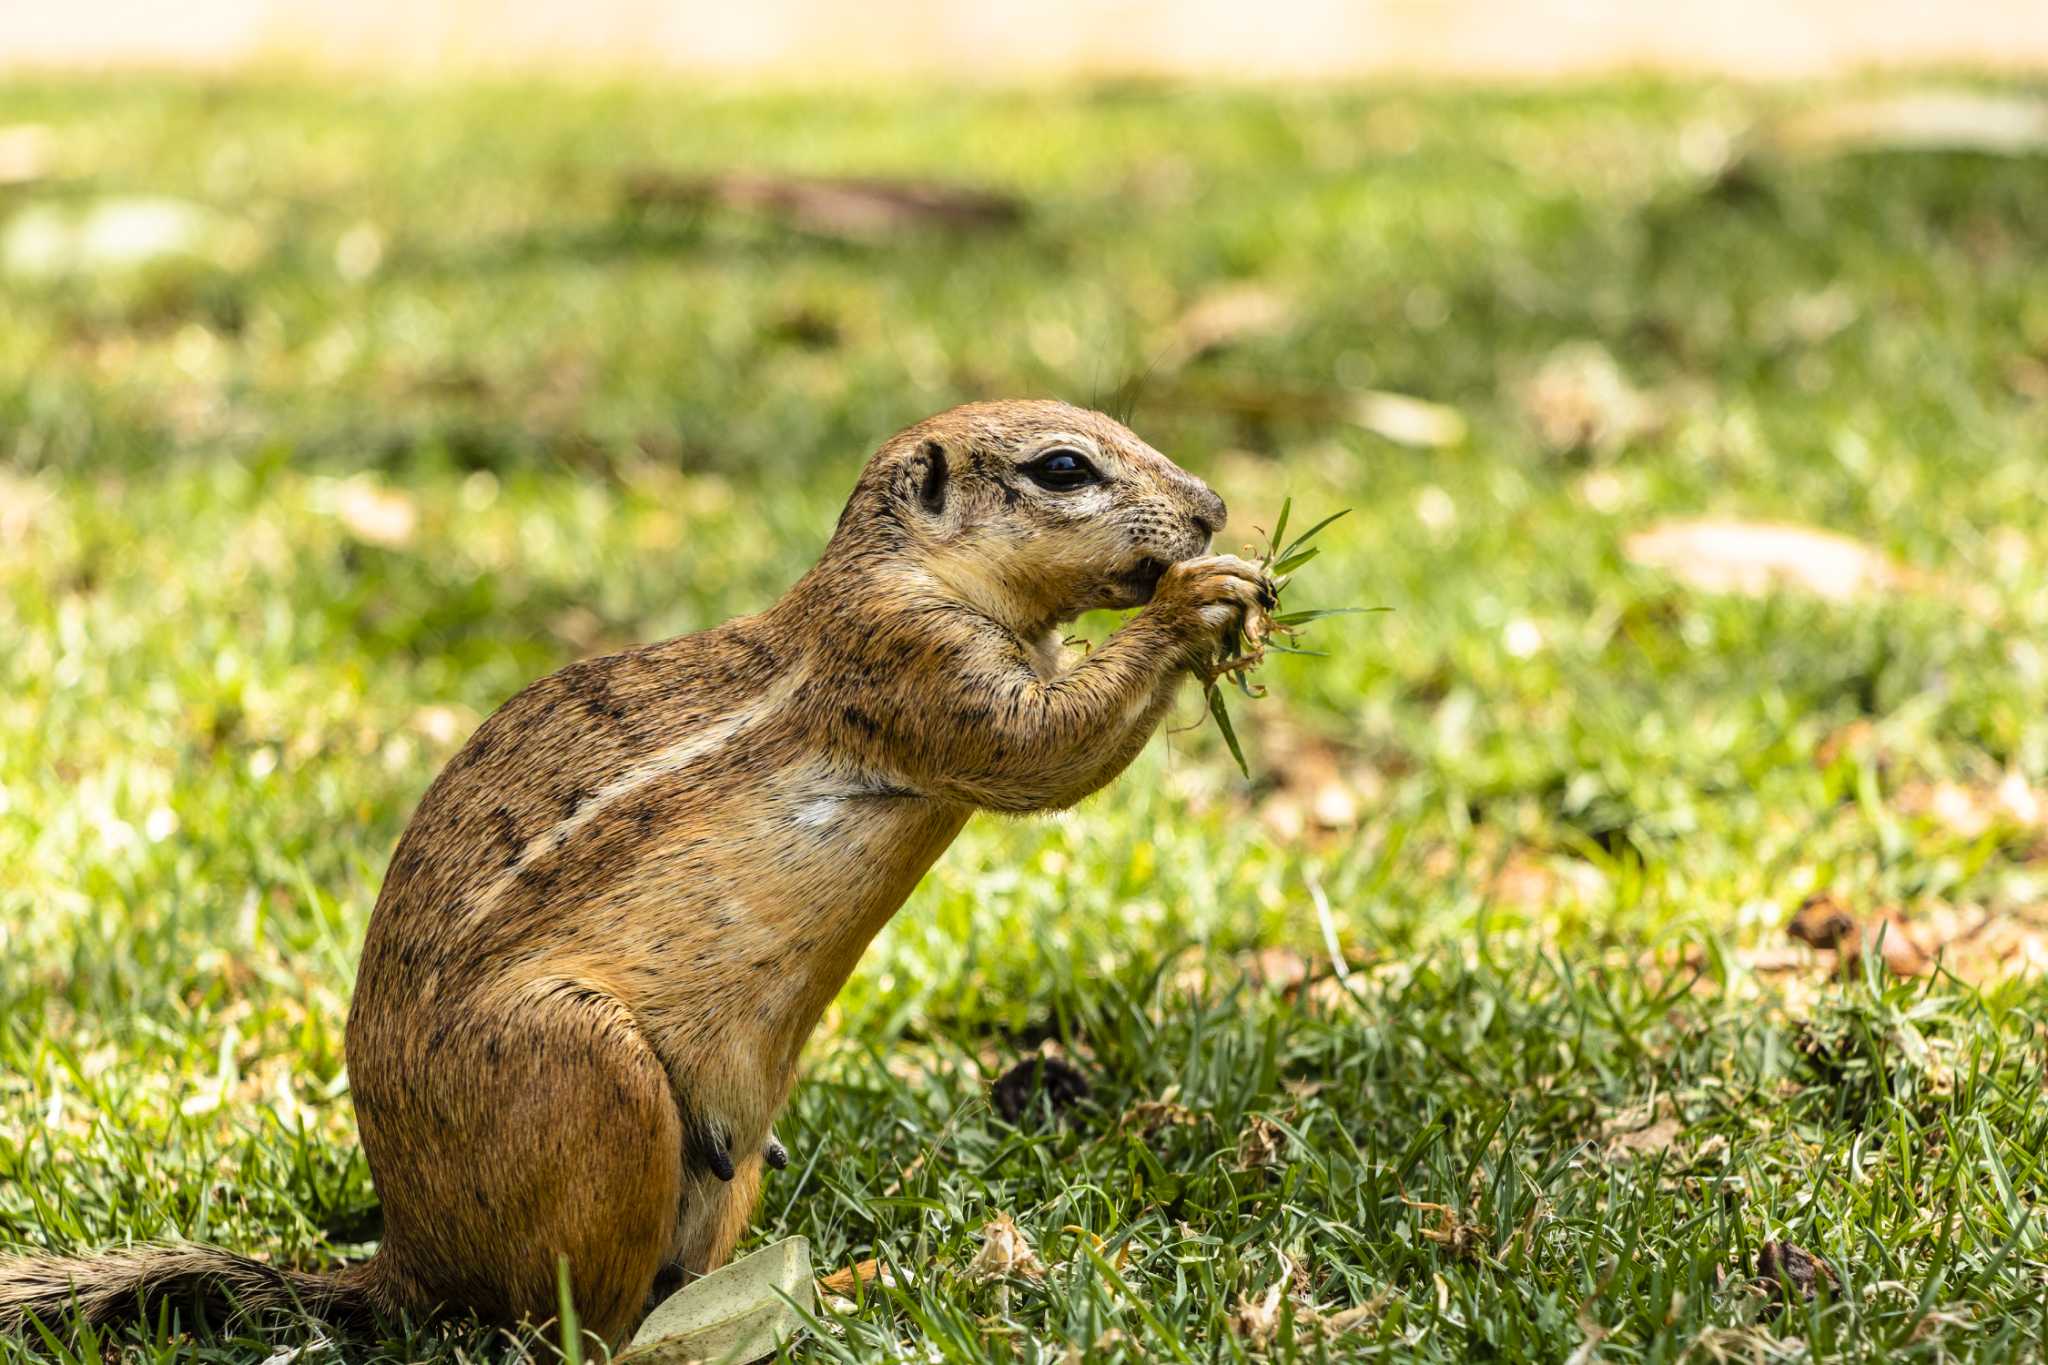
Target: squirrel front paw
[[775, 1154], [1203, 600]]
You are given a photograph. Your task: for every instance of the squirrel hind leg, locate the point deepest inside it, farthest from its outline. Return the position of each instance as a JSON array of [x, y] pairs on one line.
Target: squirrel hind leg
[[569, 1143]]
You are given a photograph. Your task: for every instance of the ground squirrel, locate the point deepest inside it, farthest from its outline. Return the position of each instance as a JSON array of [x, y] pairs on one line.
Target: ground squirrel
[[621, 908]]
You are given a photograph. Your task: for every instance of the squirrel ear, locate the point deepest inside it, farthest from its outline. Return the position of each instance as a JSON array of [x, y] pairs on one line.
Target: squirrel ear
[[931, 490]]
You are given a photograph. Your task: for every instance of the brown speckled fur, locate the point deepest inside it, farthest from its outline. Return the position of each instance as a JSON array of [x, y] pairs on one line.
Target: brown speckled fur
[[621, 908]]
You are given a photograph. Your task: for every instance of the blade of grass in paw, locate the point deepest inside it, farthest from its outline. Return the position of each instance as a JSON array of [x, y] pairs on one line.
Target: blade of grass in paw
[[1244, 647], [1222, 714]]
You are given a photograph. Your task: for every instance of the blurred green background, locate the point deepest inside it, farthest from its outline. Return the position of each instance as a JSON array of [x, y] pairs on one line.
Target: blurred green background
[[331, 414]]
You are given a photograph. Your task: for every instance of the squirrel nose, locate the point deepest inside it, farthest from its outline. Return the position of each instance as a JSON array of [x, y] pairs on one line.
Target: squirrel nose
[[1210, 512]]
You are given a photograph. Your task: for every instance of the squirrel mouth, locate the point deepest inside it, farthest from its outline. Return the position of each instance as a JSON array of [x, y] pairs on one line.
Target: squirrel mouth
[[1137, 583]]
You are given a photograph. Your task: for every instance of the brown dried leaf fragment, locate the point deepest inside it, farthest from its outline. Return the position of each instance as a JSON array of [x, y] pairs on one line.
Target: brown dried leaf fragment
[[1825, 924], [1408, 421], [1005, 1251], [1263, 1143], [376, 515], [861, 208], [1641, 1131], [1754, 559], [1786, 1272], [1149, 1116], [1971, 810], [1821, 922], [1925, 120], [1258, 1320], [870, 1271], [1580, 400], [1451, 1232], [1222, 317]]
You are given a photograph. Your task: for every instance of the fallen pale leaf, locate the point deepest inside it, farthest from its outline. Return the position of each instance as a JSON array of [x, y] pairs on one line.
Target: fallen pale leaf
[[1222, 317], [443, 724], [1005, 1251], [859, 208], [105, 235], [1926, 120], [1451, 1232], [1263, 1143], [1757, 558], [1786, 1272], [1640, 1132], [23, 503], [25, 152], [376, 515], [1825, 924], [870, 1271], [1408, 421], [741, 1312], [1972, 810], [1279, 969], [1351, 1319], [1149, 1116], [1579, 399], [1533, 880], [1258, 1320]]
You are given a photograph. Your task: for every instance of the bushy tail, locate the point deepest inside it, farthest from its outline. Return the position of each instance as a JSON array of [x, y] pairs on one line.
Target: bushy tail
[[122, 1284]]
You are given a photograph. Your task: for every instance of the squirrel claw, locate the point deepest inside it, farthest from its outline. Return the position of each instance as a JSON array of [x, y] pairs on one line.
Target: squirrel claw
[[775, 1154], [720, 1161]]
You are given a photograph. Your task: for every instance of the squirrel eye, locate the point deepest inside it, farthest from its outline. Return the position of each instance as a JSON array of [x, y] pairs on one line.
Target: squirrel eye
[[1062, 470]]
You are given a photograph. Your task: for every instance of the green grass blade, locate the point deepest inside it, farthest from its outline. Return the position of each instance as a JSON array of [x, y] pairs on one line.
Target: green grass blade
[[1222, 714], [1279, 525], [1306, 536], [1302, 618]]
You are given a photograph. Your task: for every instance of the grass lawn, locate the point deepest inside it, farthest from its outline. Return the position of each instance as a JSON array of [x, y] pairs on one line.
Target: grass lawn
[[427, 406]]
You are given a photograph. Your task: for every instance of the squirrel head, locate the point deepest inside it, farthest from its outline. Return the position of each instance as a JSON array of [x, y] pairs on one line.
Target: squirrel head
[[1031, 511]]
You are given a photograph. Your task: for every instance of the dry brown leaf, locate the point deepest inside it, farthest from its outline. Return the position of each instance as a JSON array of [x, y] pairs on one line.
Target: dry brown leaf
[[1408, 421], [1149, 1116], [1580, 400], [1985, 945], [23, 504], [1921, 121], [1263, 1143], [1644, 1130], [1821, 922], [861, 208], [1534, 881], [1451, 1232], [1858, 740], [1972, 810], [1825, 924], [870, 1271], [1757, 558], [1258, 1320], [26, 151], [2028, 377], [443, 724], [1785, 1271], [1005, 1251], [1222, 317], [1097, 1350], [375, 514], [1322, 787], [1278, 969], [1351, 1319]]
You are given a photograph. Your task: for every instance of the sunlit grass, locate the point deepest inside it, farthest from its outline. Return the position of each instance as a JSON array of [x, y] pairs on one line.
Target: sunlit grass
[[437, 412]]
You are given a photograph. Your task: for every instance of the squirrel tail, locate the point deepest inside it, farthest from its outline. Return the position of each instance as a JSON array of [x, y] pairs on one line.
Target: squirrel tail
[[123, 1284]]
